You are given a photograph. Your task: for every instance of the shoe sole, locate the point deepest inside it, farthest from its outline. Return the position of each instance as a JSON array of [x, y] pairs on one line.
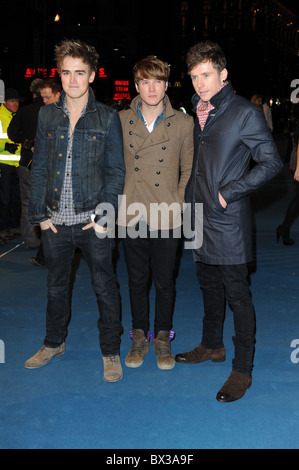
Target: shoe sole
[[133, 365], [41, 365], [113, 380], [221, 359], [166, 366]]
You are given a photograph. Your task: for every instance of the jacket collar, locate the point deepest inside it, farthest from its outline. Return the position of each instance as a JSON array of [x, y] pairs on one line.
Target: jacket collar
[[166, 101], [91, 104], [217, 99]]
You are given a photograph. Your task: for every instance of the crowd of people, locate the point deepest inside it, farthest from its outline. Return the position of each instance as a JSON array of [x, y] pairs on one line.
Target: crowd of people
[[79, 157]]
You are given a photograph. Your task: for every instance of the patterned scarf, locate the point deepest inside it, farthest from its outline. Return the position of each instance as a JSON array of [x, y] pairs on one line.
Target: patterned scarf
[[203, 109]]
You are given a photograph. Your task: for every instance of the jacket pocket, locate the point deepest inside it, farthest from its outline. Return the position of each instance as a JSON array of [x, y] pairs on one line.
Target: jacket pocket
[[93, 142], [51, 139]]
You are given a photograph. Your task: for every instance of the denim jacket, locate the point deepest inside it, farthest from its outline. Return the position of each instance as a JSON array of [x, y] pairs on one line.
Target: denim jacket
[[97, 159]]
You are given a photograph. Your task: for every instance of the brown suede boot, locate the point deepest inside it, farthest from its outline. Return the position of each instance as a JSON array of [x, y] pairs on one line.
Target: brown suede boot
[[138, 350], [162, 348], [234, 388], [201, 354]]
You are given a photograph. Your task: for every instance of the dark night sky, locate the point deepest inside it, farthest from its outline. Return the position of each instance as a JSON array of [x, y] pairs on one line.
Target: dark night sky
[[155, 22], [293, 5]]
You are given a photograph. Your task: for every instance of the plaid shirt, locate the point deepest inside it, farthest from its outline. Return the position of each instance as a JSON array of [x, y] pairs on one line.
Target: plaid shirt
[[66, 214]]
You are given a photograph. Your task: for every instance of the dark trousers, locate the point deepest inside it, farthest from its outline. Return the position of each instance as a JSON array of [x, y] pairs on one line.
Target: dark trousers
[[151, 257], [293, 208], [218, 284], [59, 250], [10, 202]]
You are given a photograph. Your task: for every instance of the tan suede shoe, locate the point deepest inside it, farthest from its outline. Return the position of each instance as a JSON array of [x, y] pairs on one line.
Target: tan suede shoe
[[138, 350], [162, 347], [112, 369], [43, 356]]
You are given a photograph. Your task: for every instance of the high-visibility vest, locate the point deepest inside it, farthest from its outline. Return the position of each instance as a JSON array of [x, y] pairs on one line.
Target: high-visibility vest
[[6, 157]]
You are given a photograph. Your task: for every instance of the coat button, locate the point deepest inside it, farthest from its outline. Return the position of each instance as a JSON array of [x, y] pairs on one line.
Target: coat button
[[168, 124], [136, 169], [156, 184], [136, 156], [131, 122], [163, 148], [130, 133], [158, 172], [161, 160], [131, 145], [56, 189]]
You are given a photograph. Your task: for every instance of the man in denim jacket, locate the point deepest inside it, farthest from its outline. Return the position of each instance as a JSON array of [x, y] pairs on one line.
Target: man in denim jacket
[[78, 165]]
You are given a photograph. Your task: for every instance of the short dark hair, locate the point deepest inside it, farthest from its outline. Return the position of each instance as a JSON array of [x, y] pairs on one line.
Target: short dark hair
[[79, 50], [206, 51], [151, 68], [36, 85], [53, 84]]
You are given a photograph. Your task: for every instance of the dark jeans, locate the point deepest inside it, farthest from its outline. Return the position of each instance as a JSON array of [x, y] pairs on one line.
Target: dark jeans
[[218, 284], [293, 208], [156, 257], [59, 250], [10, 202]]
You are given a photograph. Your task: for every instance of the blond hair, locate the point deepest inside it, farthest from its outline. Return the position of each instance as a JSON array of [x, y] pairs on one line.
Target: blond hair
[[151, 68]]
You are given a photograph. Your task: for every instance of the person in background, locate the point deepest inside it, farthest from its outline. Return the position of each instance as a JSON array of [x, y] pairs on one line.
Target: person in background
[[257, 99], [158, 146], [77, 165], [229, 131], [268, 114], [10, 202], [50, 93], [283, 230], [22, 129]]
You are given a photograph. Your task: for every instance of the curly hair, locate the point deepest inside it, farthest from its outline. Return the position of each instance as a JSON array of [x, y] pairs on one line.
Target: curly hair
[[79, 50], [204, 52], [151, 68]]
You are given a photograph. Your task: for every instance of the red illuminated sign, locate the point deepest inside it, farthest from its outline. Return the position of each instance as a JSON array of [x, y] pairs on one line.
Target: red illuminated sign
[[53, 72], [121, 90], [102, 73]]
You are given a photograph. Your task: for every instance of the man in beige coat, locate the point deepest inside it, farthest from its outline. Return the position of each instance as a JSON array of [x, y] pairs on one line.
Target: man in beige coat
[[158, 148]]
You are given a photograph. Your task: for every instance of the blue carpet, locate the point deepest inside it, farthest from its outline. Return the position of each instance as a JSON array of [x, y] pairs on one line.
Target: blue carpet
[[67, 405]]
